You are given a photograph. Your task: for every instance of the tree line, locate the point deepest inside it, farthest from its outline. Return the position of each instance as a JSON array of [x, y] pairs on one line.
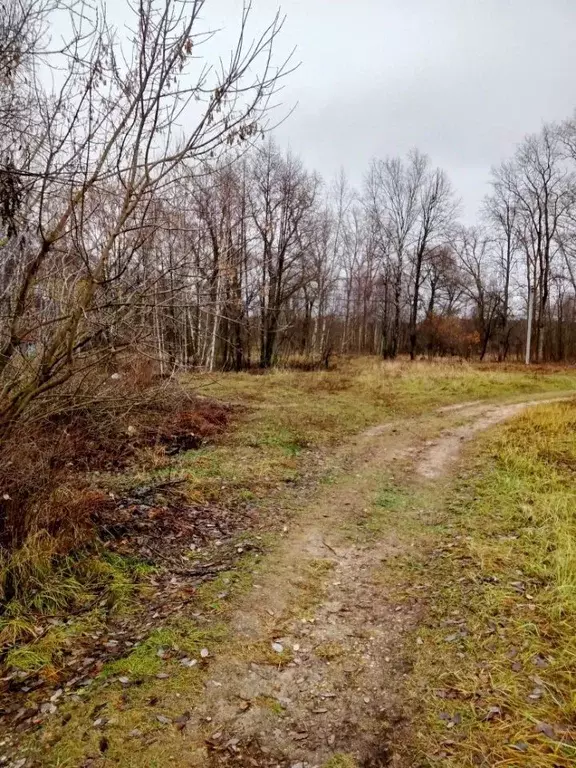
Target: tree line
[[287, 264], [145, 209]]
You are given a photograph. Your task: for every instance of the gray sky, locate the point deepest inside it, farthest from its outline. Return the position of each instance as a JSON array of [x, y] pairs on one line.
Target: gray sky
[[462, 80]]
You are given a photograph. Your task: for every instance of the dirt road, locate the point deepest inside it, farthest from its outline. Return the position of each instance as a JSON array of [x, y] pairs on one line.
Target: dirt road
[[311, 666], [315, 674]]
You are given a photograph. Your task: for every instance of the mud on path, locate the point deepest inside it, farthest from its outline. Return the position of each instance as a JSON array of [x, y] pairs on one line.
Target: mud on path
[[319, 659]]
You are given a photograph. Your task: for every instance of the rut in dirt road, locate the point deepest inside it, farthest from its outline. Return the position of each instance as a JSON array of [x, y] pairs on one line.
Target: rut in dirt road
[[320, 657], [440, 453]]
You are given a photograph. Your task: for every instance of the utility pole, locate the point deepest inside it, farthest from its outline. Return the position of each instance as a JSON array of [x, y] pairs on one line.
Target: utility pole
[[531, 298]]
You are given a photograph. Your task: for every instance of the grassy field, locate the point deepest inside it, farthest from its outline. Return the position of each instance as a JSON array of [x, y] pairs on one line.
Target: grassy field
[[285, 425], [495, 673], [287, 414], [284, 422]]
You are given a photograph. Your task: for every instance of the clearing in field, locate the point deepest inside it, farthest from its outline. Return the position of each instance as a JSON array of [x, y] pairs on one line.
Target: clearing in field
[[387, 578]]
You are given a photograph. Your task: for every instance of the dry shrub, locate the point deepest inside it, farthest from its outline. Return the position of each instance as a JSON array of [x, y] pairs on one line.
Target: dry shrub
[[103, 424], [449, 335], [107, 430], [40, 492], [141, 373], [188, 430], [50, 510]]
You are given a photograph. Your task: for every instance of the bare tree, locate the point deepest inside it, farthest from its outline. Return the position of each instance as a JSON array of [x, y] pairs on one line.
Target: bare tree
[[392, 199], [127, 117], [537, 184], [282, 195], [437, 211], [501, 212], [472, 248]]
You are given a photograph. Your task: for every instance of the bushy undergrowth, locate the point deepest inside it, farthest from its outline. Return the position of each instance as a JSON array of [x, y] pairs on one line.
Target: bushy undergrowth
[[51, 561], [109, 426]]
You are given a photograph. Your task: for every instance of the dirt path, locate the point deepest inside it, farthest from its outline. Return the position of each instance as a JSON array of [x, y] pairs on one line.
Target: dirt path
[[311, 668], [440, 453], [319, 659]]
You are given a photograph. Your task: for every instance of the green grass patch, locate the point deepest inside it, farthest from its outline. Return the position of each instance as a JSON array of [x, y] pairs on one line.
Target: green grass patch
[[218, 594], [90, 585], [341, 760], [46, 653], [387, 510], [271, 704], [181, 637], [135, 703], [287, 414]]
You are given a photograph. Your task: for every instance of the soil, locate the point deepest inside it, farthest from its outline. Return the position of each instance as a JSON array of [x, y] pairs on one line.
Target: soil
[[341, 690]]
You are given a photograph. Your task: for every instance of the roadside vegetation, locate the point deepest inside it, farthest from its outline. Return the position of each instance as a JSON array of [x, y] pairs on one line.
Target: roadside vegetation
[[192, 320], [246, 437], [495, 662]]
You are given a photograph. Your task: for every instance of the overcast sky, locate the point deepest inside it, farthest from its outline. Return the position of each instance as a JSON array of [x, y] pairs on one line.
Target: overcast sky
[[462, 80]]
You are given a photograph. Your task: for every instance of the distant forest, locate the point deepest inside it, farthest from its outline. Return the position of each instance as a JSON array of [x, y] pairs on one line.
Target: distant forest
[[145, 208]]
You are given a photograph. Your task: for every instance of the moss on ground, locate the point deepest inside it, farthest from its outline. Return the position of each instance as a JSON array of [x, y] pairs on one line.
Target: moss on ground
[[181, 637]]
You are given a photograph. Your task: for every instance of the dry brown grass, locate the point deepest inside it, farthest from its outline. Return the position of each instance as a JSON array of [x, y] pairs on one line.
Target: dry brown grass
[[43, 465]]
